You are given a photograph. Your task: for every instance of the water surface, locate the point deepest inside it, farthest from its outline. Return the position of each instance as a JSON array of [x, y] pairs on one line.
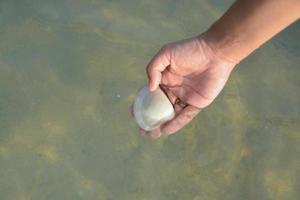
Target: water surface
[[69, 71]]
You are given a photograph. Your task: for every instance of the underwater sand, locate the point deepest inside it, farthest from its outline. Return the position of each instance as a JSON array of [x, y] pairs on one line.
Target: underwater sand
[[69, 70]]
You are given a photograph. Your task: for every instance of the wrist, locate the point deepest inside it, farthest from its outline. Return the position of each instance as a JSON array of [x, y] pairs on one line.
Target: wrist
[[225, 45]]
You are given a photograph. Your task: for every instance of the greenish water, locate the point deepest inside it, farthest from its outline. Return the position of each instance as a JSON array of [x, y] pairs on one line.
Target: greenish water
[[68, 73]]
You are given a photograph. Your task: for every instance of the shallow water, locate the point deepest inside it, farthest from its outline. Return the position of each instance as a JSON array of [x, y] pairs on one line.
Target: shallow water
[[68, 73]]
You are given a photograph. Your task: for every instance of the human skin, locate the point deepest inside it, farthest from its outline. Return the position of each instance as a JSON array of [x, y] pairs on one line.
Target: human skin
[[195, 70]]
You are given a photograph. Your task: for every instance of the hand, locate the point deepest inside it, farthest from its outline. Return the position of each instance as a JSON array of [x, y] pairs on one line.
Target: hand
[[195, 70], [191, 72]]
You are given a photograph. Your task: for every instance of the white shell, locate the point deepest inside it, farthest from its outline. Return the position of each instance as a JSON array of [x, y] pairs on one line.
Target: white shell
[[151, 109]]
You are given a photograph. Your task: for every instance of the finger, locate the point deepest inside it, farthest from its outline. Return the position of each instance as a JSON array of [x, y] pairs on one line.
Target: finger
[[156, 133], [182, 119], [143, 132], [130, 111], [172, 98], [169, 94], [191, 96], [156, 66], [170, 78], [177, 108]]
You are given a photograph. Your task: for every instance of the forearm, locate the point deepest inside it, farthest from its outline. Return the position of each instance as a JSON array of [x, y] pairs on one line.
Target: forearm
[[248, 24]]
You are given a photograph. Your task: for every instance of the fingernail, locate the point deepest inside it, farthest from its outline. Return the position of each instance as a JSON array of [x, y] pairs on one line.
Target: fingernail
[[151, 88]]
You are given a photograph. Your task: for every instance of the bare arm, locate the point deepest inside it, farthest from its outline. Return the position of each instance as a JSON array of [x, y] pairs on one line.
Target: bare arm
[[248, 24]]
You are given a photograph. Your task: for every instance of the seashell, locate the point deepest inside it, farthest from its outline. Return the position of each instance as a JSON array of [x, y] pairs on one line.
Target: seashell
[[151, 109]]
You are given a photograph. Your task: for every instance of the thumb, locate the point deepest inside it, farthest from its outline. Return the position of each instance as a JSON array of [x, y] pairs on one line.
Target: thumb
[[156, 66]]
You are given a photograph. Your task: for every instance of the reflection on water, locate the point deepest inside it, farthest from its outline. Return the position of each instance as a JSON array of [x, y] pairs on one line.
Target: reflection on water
[[68, 73]]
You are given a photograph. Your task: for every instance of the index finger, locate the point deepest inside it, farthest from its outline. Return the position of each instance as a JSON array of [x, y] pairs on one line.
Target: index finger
[[156, 66]]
